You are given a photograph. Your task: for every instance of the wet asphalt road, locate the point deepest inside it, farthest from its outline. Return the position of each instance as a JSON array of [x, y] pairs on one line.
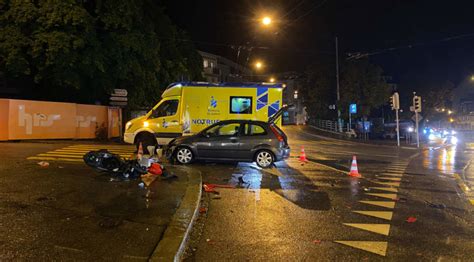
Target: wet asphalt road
[[67, 211], [313, 212]]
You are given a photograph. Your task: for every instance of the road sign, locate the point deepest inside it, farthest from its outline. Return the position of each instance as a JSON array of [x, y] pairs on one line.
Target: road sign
[[414, 118], [353, 108], [118, 98], [118, 103], [120, 92]]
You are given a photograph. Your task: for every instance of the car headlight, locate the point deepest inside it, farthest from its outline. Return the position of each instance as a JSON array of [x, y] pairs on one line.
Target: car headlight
[[454, 140], [128, 125]]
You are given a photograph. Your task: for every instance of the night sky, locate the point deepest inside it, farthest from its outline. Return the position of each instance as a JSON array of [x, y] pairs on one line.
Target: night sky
[[305, 33]]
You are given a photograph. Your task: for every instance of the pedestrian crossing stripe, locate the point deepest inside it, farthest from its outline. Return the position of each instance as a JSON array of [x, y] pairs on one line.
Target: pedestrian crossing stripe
[[382, 229], [387, 215], [376, 247], [389, 189], [54, 159], [395, 184], [386, 204], [383, 195], [397, 179], [393, 174], [75, 153]]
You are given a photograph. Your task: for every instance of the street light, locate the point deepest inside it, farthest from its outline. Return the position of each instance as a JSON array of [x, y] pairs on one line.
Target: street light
[[272, 80], [472, 78], [266, 21], [258, 65]]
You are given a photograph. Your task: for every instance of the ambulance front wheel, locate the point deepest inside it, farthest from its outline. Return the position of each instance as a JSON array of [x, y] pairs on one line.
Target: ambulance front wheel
[[184, 155], [147, 140]]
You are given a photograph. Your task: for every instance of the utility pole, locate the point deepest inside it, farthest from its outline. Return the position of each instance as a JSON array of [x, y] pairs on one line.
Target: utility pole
[[339, 122]]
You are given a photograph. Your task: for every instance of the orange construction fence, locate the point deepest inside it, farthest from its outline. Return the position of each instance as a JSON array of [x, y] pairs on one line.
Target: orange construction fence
[[24, 119]]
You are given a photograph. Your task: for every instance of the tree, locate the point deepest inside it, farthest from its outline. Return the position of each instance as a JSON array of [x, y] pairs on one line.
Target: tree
[[78, 51], [318, 91], [363, 83]]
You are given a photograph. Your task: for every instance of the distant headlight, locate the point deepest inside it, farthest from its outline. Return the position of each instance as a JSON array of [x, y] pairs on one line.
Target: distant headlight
[[454, 140], [410, 129], [453, 132], [128, 125]]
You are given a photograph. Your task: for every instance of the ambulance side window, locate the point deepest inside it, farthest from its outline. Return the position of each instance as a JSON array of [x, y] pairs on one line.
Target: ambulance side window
[[167, 108], [240, 105]]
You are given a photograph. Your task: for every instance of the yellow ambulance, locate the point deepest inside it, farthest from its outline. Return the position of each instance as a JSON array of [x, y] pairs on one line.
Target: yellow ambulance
[[188, 107]]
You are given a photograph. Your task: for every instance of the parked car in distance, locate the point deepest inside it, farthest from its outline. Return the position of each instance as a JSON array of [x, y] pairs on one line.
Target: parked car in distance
[[233, 140]]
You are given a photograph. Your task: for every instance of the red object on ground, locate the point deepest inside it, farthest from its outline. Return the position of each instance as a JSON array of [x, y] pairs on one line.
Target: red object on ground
[[202, 210], [209, 188], [317, 241], [411, 219], [155, 169], [303, 155], [354, 170]]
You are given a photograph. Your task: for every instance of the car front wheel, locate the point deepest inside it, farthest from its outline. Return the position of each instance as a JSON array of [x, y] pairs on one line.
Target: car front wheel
[[264, 159], [184, 155]]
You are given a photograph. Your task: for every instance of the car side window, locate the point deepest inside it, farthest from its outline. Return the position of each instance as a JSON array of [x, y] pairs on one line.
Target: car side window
[[167, 108], [254, 130], [224, 130]]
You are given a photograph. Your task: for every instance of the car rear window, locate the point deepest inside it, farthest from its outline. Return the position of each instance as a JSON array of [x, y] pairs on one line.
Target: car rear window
[[254, 130]]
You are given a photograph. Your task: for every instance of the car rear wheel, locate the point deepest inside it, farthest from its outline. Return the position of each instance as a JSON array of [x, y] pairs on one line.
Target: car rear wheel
[[184, 155], [264, 158]]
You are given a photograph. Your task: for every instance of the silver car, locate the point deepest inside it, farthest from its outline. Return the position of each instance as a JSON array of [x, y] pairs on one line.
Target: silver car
[[233, 140]]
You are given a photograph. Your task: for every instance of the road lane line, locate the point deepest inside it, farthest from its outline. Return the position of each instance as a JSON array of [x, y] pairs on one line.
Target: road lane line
[[383, 195], [387, 215], [386, 204], [382, 229], [389, 189], [376, 247]]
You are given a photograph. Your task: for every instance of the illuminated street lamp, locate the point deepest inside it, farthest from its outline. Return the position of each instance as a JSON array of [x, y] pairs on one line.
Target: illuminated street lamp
[[450, 112], [472, 78], [266, 21], [272, 80], [258, 65]]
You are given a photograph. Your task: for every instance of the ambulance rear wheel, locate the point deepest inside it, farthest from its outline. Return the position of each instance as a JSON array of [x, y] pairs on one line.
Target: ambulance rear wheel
[[146, 140]]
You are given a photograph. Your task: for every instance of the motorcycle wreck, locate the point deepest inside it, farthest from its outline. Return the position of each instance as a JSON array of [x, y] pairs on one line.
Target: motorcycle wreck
[[110, 163]]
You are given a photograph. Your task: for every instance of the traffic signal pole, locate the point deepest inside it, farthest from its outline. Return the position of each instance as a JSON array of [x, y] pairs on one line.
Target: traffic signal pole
[[398, 127], [395, 104]]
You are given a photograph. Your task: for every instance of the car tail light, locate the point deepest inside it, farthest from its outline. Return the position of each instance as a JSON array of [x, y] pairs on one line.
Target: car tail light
[[277, 134]]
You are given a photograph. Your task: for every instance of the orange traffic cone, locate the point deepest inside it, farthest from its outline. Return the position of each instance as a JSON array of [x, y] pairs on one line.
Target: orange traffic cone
[[354, 171], [140, 151], [303, 155]]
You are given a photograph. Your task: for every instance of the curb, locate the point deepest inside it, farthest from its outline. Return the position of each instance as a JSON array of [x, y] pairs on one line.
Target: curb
[[172, 245], [465, 188]]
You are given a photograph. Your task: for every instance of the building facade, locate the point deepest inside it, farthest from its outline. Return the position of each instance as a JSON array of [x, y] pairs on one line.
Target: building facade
[[219, 69], [463, 105]]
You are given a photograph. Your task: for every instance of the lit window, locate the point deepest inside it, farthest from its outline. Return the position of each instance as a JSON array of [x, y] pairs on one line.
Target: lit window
[[241, 105], [206, 63]]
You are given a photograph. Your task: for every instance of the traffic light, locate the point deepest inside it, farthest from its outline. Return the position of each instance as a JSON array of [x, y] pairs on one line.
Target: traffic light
[[417, 103], [395, 101]]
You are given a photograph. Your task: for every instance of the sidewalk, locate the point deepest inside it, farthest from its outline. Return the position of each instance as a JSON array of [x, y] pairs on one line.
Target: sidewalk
[[69, 211]]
